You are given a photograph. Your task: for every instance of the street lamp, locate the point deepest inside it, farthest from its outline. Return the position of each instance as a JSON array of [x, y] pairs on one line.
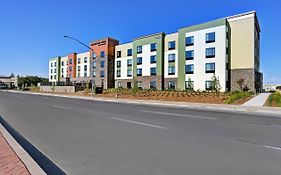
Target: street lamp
[[93, 81]]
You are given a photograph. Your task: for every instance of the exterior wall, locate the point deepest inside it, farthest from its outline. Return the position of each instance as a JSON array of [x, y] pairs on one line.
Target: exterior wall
[[145, 42], [106, 45], [199, 77], [124, 67], [124, 83], [168, 38], [82, 72], [245, 49], [57, 88], [242, 42], [54, 70], [72, 67], [64, 68]]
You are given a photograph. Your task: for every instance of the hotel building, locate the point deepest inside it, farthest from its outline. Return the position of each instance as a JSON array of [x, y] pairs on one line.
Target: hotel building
[[227, 48]]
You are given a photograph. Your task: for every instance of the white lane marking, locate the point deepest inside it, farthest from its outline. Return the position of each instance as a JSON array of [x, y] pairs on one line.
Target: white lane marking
[[181, 115], [272, 147], [61, 107], [139, 123]]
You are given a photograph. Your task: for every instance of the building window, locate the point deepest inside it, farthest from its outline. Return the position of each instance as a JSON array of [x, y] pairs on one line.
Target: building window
[[79, 60], [94, 73], [129, 52], [153, 71], [129, 62], [51, 64], [78, 68], [118, 54], [62, 63], [102, 73], [139, 84], [94, 64], [210, 52], [78, 75], [102, 54], [210, 37], [102, 64], [55, 70], [51, 77], [118, 73], [51, 71], [70, 69], [62, 71], [189, 69], [171, 57], [171, 45], [227, 51], [139, 72], [171, 70], [85, 67], [85, 59], [153, 47], [189, 85], [85, 74], [189, 55], [118, 63], [208, 85], [94, 55], [189, 41], [70, 61], [152, 59], [139, 60], [210, 67], [55, 64], [55, 77], [171, 85], [152, 85], [129, 72], [139, 49]]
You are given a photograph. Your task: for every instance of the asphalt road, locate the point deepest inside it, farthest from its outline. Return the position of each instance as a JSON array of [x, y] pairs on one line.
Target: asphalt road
[[89, 137]]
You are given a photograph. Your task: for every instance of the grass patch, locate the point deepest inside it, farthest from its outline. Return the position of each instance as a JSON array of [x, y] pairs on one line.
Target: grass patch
[[275, 100], [236, 96]]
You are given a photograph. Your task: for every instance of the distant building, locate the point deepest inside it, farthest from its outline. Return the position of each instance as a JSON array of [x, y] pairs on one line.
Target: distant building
[[270, 87], [11, 82]]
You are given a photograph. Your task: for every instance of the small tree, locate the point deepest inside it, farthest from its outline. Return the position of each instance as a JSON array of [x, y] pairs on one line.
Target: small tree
[[240, 83], [215, 84], [190, 85], [135, 88]]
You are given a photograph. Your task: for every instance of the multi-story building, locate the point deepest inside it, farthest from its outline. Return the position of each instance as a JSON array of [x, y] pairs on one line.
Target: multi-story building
[[227, 48], [102, 62], [54, 69]]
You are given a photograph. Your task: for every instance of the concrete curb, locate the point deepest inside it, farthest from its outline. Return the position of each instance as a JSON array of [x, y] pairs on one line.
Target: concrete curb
[[267, 111], [30, 164]]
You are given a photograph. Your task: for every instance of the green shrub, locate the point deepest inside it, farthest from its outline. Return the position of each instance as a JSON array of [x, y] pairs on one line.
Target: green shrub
[[237, 95], [276, 97]]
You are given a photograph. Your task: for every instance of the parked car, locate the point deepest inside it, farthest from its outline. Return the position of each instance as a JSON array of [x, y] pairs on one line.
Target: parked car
[[3, 86]]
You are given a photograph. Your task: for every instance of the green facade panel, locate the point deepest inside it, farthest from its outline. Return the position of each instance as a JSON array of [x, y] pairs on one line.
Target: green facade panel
[[146, 40]]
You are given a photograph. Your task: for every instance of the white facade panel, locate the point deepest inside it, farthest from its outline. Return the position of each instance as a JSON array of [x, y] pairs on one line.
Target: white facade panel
[[200, 76]]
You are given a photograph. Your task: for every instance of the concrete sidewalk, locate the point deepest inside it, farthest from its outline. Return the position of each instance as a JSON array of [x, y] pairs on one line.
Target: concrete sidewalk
[[14, 159], [258, 110], [258, 100]]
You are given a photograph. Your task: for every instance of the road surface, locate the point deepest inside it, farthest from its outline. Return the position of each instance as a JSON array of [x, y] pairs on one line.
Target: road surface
[[102, 138]]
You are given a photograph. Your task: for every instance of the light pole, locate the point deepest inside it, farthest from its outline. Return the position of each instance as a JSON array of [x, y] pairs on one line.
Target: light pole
[[93, 81]]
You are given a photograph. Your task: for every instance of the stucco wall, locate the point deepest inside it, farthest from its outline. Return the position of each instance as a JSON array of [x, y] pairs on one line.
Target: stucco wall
[[57, 88]]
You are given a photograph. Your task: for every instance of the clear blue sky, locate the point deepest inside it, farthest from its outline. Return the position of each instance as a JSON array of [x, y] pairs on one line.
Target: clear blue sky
[[32, 31]]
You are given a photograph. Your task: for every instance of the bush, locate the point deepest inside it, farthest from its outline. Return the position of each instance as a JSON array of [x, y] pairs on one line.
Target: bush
[[237, 95], [276, 98]]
